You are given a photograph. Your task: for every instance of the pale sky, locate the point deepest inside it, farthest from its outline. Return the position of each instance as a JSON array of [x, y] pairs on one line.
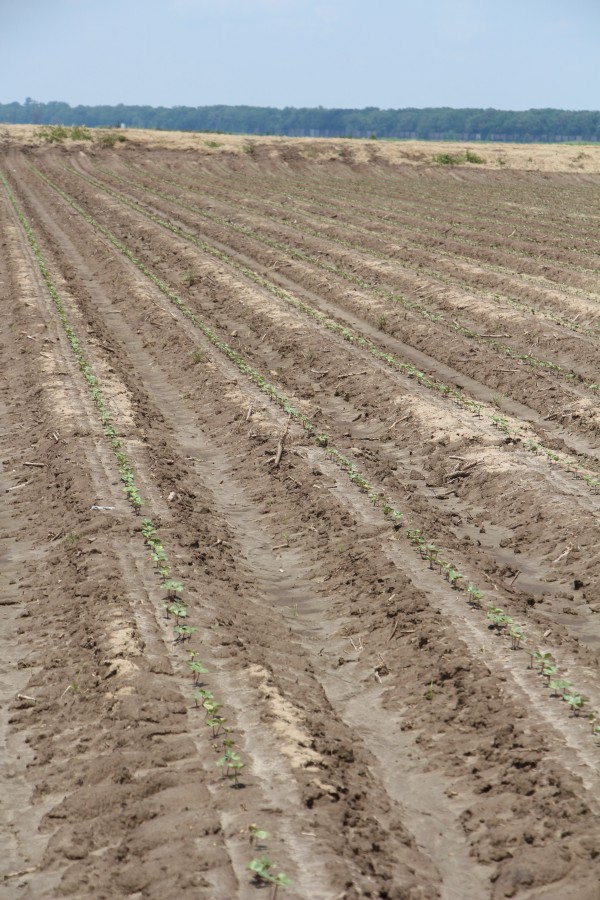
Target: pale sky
[[507, 54]]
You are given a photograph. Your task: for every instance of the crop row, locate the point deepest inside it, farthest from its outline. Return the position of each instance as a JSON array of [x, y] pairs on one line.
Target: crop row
[[429, 550], [332, 268], [411, 371], [230, 761], [422, 205], [273, 393]]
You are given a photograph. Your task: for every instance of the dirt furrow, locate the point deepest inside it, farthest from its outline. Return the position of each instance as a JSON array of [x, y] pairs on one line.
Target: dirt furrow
[[394, 744], [536, 579], [574, 406]]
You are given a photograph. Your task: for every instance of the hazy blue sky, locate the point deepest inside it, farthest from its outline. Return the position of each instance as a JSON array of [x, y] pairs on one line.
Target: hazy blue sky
[[508, 54]]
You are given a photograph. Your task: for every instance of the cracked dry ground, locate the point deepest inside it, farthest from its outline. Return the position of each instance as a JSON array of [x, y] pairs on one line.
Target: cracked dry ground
[[439, 331]]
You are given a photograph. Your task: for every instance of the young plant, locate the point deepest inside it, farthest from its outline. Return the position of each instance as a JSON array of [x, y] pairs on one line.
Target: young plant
[[559, 687], [216, 723], [231, 763], [173, 589], [201, 695], [516, 636], [197, 670], [260, 869], [475, 596], [432, 552], [257, 835], [543, 657], [498, 618], [396, 519], [576, 701], [211, 707], [177, 609], [549, 671], [277, 881], [183, 633], [454, 577]]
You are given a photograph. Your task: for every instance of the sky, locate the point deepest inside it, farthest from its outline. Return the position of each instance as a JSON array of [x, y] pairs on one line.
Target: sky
[[391, 54]]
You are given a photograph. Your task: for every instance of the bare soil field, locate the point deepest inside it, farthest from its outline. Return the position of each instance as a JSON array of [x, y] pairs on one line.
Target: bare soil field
[[298, 545]]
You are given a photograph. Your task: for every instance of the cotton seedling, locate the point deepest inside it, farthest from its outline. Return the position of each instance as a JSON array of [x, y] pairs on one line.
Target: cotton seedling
[[454, 577], [277, 881], [432, 552], [216, 723], [158, 556], [257, 835], [173, 589], [177, 609], [576, 701], [212, 707], [559, 686], [516, 636], [201, 695], [475, 596], [549, 671], [543, 657], [231, 762], [261, 869], [414, 536], [498, 618], [183, 633], [197, 669], [148, 529], [396, 519]]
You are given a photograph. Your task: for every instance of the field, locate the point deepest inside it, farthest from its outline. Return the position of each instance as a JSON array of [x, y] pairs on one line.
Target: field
[[300, 480]]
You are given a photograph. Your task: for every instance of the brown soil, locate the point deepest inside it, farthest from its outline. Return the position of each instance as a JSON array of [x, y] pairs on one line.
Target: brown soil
[[395, 744]]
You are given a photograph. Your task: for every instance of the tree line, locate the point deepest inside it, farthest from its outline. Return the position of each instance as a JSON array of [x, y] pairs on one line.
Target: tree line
[[444, 123]]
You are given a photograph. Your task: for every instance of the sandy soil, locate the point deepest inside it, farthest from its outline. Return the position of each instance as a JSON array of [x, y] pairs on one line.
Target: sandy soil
[[357, 395]]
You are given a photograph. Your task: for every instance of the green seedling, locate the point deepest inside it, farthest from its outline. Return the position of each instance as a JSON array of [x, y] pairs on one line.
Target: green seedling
[[475, 596], [216, 723], [559, 687], [148, 529], [543, 657], [516, 636], [257, 835], [158, 556], [197, 670], [322, 440], [201, 695], [432, 552], [454, 577], [183, 633], [231, 763], [549, 671], [277, 881], [499, 619], [260, 869], [212, 707], [177, 609], [173, 589], [576, 701]]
